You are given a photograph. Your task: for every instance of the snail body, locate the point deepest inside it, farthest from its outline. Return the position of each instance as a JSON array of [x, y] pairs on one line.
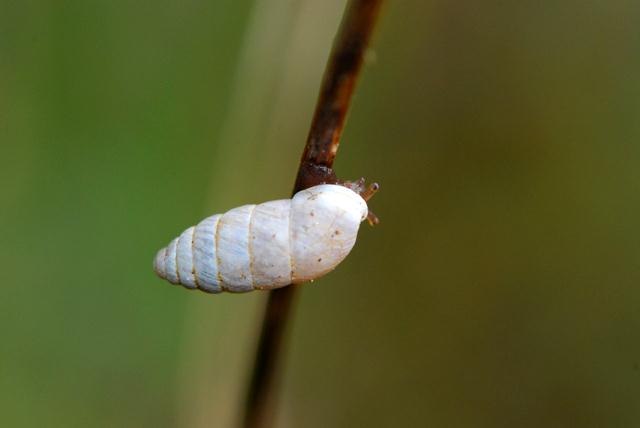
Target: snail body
[[266, 246]]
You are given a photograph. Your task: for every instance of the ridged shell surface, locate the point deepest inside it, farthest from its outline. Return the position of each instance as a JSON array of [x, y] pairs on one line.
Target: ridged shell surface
[[266, 246]]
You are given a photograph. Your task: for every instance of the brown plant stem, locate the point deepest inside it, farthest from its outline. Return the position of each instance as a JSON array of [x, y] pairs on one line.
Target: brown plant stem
[[341, 74]]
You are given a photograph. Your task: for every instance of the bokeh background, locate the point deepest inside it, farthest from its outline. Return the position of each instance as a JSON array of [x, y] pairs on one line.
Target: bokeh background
[[500, 290]]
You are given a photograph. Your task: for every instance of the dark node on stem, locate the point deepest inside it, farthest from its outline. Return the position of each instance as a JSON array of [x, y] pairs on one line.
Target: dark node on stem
[[311, 175]]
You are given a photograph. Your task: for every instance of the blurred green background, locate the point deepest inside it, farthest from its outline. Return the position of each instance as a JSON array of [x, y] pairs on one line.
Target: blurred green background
[[500, 290]]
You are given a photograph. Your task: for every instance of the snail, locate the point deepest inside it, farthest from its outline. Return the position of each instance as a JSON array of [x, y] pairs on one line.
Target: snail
[[270, 245]]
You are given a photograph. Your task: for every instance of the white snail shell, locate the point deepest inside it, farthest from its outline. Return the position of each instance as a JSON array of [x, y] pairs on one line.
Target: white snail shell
[[266, 246]]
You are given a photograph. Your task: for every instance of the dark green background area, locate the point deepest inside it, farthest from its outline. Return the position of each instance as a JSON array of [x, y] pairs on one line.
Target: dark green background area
[[501, 289]]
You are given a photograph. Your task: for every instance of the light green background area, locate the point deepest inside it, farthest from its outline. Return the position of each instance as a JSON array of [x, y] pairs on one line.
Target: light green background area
[[501, 289]]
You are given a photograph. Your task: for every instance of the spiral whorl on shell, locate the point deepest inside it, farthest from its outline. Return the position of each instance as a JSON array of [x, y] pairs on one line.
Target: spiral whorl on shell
[[266, 246]]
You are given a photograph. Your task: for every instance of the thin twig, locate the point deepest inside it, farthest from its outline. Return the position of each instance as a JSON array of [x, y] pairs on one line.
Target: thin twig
[[319, 153]]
